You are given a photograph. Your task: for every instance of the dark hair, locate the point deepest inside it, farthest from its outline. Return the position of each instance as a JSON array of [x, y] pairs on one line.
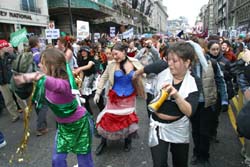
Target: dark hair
[[184, 50], [55, 62], [226, 42], [33, 42], [122, 48], [210, 43]]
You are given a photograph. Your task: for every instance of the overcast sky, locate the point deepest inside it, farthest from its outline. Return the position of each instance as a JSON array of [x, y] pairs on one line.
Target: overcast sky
[[188, 8]]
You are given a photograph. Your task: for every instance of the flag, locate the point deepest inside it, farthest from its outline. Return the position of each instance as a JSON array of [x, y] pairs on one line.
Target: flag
[[18, 37]]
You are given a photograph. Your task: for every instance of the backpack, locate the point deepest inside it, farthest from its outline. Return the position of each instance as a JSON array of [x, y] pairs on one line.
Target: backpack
[[23, 64]]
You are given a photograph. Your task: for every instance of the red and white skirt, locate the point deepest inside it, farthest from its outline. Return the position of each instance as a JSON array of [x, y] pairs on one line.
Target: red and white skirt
[[118, 119]]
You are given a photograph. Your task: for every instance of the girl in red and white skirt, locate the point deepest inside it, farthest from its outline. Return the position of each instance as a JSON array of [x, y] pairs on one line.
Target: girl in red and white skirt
[[118, 120]]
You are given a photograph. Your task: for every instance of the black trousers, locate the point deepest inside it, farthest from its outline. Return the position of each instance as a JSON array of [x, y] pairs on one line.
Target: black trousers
[[202, 126], [179, 154]]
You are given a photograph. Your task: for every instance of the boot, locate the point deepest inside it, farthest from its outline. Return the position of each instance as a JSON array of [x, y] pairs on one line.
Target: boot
[[127, 145], [101, 146]]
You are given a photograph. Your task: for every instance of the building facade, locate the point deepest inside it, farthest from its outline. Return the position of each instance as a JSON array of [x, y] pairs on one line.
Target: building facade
[[31, 14], [241, 14], [159, 16], [101, 15]]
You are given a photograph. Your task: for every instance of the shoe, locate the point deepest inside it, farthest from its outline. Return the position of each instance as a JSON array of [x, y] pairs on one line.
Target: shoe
[[3, 144], [20, 111], [42, 132], [205, 163], [214, 139], [101, 147], [14, 119], [127, 145], [194, 160]]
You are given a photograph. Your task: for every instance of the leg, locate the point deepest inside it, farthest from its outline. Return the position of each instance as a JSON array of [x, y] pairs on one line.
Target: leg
[[101, 104], [85, 160], [101, 146], [205, 132], [58, 159], [87, 105], [127, 145], [247, 151], [179, 154], [42, 117], [42, 120], [195, 122], [160, 154], [9, 101]]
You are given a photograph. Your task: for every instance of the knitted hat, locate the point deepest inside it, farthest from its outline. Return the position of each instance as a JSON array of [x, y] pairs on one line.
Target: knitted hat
[[3, 44]]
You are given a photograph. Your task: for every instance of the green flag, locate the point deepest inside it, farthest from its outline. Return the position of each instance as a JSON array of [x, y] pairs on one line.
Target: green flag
[[18, 37]]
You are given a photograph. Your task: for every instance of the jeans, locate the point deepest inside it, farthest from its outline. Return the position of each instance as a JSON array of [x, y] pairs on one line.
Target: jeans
[[1, 137]]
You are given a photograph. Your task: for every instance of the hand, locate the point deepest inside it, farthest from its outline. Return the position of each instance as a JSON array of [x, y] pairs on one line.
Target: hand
[[76, 71], [247, 94], [96, 98], [137, 73], [224, 108], [27, 78], [246, 56], [170, 89]]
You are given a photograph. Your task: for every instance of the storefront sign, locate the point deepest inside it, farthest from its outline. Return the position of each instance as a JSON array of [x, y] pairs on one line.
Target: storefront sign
[[52, 33], [18, 37], [15, 15]]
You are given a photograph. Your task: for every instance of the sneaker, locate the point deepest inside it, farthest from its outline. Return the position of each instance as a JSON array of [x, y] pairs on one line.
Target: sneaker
[[3, 144], [42, 132], [194, 160], [14, 119]]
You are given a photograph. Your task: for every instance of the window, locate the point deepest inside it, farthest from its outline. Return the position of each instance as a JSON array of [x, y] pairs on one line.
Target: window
[[29, 5]]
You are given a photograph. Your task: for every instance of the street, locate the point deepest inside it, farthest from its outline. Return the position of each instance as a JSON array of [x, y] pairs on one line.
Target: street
[[226, 153]]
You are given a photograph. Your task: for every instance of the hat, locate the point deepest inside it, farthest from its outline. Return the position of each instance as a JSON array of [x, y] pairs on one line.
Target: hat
[[243, 122], [242, 36], [85, 48], [3, 44]]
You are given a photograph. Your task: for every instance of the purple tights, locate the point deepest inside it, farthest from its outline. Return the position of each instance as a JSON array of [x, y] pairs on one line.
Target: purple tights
[[59, 159]]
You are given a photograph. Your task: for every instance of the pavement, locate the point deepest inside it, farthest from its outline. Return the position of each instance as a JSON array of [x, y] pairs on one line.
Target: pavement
[[226, 153]]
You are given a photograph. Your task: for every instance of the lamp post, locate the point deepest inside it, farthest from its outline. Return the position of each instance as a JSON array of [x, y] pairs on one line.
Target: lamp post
[[70, 18]]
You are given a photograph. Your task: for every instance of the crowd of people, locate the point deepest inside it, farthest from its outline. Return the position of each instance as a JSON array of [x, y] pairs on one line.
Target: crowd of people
[[196, 74]]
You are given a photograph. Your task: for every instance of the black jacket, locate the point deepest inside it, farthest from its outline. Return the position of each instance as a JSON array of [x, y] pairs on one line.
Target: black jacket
[[5, 68]]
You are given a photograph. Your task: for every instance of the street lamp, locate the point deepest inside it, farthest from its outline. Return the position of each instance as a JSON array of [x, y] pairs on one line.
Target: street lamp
[[70, 18]]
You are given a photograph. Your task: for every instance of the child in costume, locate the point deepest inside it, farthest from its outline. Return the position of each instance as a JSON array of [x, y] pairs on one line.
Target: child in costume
[[56, 87]]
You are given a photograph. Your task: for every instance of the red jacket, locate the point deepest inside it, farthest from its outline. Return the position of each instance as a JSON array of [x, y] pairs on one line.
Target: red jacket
[[230, 56]]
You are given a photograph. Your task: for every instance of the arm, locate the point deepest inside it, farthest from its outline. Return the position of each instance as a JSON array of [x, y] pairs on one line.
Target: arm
[[155, 53], [184, 106], [57, 84], [102, 81], [155, 68], [220, 83], [86, 67], [68, 54], [140, 54], [244, 85]]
